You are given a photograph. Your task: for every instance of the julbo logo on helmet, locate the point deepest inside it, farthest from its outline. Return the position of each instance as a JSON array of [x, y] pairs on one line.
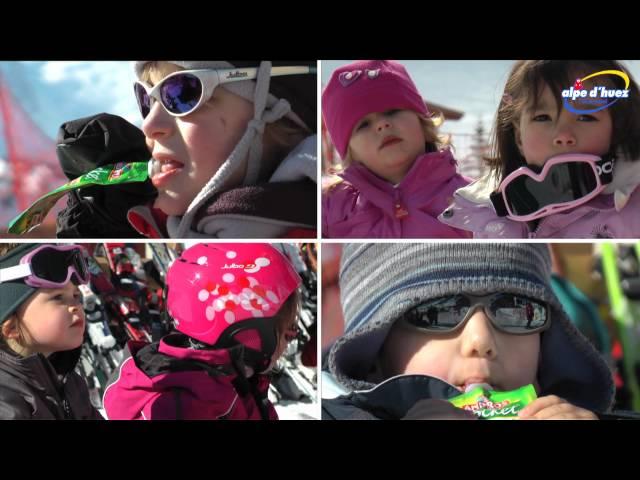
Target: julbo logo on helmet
[[250, 267]]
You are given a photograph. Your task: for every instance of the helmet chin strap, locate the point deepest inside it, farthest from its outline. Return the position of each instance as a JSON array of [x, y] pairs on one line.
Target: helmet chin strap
[[249, 146]]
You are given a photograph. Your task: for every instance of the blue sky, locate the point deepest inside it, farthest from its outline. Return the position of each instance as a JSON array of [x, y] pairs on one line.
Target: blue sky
[[55, 92]]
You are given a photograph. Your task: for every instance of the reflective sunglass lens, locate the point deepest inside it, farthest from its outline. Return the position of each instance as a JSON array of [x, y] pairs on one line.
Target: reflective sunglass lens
[[181, 93], [440, 314], [518, 314]]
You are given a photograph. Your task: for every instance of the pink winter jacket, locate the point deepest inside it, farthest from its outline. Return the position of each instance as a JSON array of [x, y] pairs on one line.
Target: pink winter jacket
[[472, 210], [155, 384], [365, 206]]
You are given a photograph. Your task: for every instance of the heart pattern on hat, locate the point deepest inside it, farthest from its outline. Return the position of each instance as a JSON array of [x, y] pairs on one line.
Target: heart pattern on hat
[[347, 78]]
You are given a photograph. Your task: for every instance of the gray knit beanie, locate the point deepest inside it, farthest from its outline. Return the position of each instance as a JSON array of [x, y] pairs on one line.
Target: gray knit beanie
[[380, 282], [267, 109]]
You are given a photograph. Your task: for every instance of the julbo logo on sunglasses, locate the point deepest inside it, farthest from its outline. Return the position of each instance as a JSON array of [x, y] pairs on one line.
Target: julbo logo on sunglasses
[[184, 91], [237, 74]]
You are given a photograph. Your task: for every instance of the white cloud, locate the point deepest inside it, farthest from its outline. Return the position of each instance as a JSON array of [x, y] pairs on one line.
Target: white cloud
[[55, 72], [4, 168], [107, 85]]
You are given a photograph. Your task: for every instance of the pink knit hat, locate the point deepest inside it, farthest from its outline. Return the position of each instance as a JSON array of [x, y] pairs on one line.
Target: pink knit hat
[[363, 87]]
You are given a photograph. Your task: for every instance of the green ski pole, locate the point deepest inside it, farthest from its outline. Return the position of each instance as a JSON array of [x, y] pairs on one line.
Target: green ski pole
[[624, 314]]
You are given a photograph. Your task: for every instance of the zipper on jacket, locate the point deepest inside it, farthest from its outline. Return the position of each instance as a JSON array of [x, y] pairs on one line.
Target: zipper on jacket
[[398, 209], [66, 406], [56, 384], [534, 234]]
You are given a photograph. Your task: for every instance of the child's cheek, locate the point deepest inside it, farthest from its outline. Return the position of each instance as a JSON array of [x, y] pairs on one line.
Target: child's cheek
[[429, 363]]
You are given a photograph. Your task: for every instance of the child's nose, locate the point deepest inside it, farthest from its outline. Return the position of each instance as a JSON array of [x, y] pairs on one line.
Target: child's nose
[[158, 123], [75, 306], [478, 336], [382, 124], [564, 137]]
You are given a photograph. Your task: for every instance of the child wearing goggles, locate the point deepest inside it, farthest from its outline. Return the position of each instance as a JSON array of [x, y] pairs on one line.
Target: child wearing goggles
[[233, 146], [562, 167], [42, 326], [425, 322], [399, 176]]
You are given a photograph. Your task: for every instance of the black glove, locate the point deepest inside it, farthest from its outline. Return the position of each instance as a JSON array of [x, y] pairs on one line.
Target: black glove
[[88, 143], [436, 409]]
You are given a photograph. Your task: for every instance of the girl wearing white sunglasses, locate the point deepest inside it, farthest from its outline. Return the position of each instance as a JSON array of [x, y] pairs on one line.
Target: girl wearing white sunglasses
[[233, 146]]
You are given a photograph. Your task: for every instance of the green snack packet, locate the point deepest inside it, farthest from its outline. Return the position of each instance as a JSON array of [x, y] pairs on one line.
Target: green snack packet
[[492, 405], [117, 173]]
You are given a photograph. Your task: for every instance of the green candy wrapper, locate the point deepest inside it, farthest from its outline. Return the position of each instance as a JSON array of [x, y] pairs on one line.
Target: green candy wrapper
[[106, 175], [492, 405]]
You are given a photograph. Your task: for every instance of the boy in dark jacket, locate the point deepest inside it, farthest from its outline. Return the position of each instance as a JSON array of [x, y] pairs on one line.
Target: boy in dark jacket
[[426, 322]]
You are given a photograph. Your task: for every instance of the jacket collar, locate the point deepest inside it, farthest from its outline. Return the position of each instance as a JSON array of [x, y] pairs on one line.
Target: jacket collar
[[428, 170], [35, 368], [396, 395]]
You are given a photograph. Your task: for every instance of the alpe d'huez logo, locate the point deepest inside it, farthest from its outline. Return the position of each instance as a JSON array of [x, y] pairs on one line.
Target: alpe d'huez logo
[[599, 97]]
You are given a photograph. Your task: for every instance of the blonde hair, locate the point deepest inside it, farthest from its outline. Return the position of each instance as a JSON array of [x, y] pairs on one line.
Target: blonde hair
[[17, 345], [433, 140], [7, 247], [11, 323], [279, 139]]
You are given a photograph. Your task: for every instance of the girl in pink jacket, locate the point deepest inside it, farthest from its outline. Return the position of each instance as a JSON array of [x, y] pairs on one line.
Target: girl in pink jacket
[[235, 309], [398, 176], [567, 137]]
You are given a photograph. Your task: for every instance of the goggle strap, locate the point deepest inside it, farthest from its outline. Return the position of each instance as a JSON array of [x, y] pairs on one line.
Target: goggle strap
[[498, 204], [606, 177], [15, 272]]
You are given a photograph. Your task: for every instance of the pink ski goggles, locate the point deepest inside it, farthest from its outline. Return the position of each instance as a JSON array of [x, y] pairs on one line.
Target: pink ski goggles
[[565, 182], [49, 266]]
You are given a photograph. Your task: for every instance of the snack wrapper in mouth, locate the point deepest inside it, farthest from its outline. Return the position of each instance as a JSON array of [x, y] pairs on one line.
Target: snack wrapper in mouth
[[105, 175], [491, 405]]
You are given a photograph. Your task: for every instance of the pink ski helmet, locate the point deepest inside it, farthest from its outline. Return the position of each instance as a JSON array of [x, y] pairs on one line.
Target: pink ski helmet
[[219, 292]]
